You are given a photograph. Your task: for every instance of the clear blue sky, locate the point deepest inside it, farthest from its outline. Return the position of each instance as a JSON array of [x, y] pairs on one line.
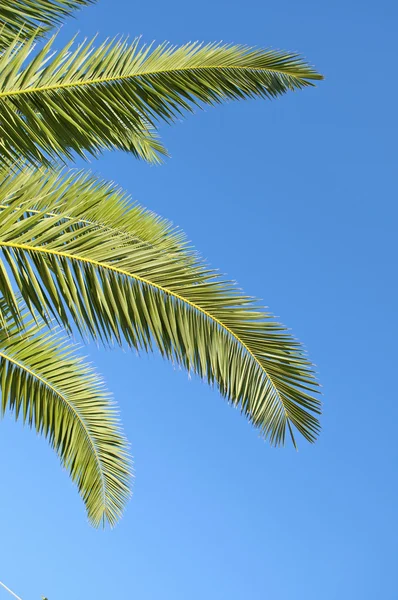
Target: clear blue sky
[[296, 199]]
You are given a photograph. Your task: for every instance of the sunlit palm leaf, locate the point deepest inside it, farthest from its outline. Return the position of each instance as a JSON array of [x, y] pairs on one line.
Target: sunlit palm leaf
[[33, 17], [84, 99], [120, 287], [44, 383]]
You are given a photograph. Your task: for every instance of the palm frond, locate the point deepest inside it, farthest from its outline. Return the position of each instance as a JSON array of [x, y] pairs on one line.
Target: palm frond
[[120, 289], [84, 99], [47, 385], [28, 18]]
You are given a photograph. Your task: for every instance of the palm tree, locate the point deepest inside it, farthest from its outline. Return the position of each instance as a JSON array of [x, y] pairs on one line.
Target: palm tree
[[78, 256]]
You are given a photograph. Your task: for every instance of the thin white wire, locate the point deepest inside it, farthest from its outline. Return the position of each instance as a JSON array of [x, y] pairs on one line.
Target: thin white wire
[[10, 591]]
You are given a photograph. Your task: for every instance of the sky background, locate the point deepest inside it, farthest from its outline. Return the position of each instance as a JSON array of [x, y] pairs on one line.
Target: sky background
[[296, 200]]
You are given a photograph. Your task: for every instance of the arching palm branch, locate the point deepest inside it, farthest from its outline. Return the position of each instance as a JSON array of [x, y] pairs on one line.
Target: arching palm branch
[[46, 385], [74, 249], [72, 258], [84, 99]]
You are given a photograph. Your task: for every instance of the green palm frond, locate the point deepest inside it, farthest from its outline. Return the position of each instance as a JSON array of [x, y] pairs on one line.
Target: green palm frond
[[44, 383], [85, 99], [120, 288], [28, 18]]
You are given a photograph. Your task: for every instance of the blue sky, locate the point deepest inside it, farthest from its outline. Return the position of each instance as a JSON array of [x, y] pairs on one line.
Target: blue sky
[[296, 200]]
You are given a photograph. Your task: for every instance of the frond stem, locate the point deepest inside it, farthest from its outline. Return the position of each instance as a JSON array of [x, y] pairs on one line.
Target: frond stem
[[100, 80]]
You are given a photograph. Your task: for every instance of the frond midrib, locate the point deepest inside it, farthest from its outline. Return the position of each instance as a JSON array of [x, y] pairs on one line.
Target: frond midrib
[[160, 288], [48, 385], [100, 80]]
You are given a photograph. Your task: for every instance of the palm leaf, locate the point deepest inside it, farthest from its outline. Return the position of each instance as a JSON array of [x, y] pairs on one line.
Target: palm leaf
[[29, 18], [122, 288], [85, 99], [44, 383]]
